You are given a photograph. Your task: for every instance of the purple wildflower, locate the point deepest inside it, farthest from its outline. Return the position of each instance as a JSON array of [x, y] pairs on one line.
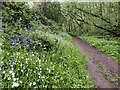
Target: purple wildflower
[[1, 30], [11, 18], [11, 47], [24, 41], [23, 22], [31, 29], [27, 39], [13, 41], [9, 38], [27, 31], [28, 47], [12, 63]]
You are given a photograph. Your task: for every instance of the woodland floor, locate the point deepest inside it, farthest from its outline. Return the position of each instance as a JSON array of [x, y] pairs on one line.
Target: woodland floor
[[100, 67]]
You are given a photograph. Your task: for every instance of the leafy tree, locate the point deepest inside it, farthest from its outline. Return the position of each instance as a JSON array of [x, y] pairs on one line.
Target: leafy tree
[[98, 15]]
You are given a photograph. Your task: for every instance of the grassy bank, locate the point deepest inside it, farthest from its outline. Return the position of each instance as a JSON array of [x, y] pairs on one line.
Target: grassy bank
[[107, 45]]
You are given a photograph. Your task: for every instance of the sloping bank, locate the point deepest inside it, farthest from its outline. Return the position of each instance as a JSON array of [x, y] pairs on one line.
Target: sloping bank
[[108, 45], [48, 60]]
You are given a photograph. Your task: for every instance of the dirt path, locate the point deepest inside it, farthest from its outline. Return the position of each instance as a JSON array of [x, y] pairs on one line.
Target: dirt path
[[100, 67]]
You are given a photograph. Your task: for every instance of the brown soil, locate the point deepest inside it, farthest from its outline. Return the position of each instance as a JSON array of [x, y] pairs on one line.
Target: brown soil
[[96, 58]]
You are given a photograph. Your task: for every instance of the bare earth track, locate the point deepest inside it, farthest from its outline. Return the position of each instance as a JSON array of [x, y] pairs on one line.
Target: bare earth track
[[95, 59]]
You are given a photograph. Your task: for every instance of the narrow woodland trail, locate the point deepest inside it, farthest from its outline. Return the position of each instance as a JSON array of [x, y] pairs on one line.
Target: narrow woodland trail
[[100, 67]]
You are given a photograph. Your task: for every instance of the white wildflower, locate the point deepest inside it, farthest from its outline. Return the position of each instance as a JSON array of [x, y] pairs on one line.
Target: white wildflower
[[15, 84], [27, 74], [35, 87], [11, 65], [10, 72], [3, 72], [9, 78], [43, 77], [20, 81], [8, 53], [21, 64], [46, 68], [26, 53], [2, 61], [0, 44], [38, 80], [27, 58], [12, 68], [13, 74], [34, 47], [0, 49], [37, 68], [38, 73], [30, 84], [40, 68], [49, 70], [33, 55], [17, 54], [26, 62], [21, 70], [14, 79], [37, 58], [34, 83]]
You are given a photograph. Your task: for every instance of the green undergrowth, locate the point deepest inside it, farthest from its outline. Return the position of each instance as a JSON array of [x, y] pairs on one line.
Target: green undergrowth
[[50, 61], [110, 46]]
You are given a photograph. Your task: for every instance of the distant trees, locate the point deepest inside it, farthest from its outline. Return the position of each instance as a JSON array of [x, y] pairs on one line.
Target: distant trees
[[98, 16], [80, 18], [43, 7]]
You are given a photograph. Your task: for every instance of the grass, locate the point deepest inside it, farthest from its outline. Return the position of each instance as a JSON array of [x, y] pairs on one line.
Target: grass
[[110, 76], [110, 46]]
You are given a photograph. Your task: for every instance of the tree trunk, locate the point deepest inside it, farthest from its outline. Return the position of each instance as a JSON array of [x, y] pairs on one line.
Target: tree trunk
[[43, 7]]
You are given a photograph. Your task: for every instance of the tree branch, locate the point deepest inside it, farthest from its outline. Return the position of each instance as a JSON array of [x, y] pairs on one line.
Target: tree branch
[[93, 15]]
